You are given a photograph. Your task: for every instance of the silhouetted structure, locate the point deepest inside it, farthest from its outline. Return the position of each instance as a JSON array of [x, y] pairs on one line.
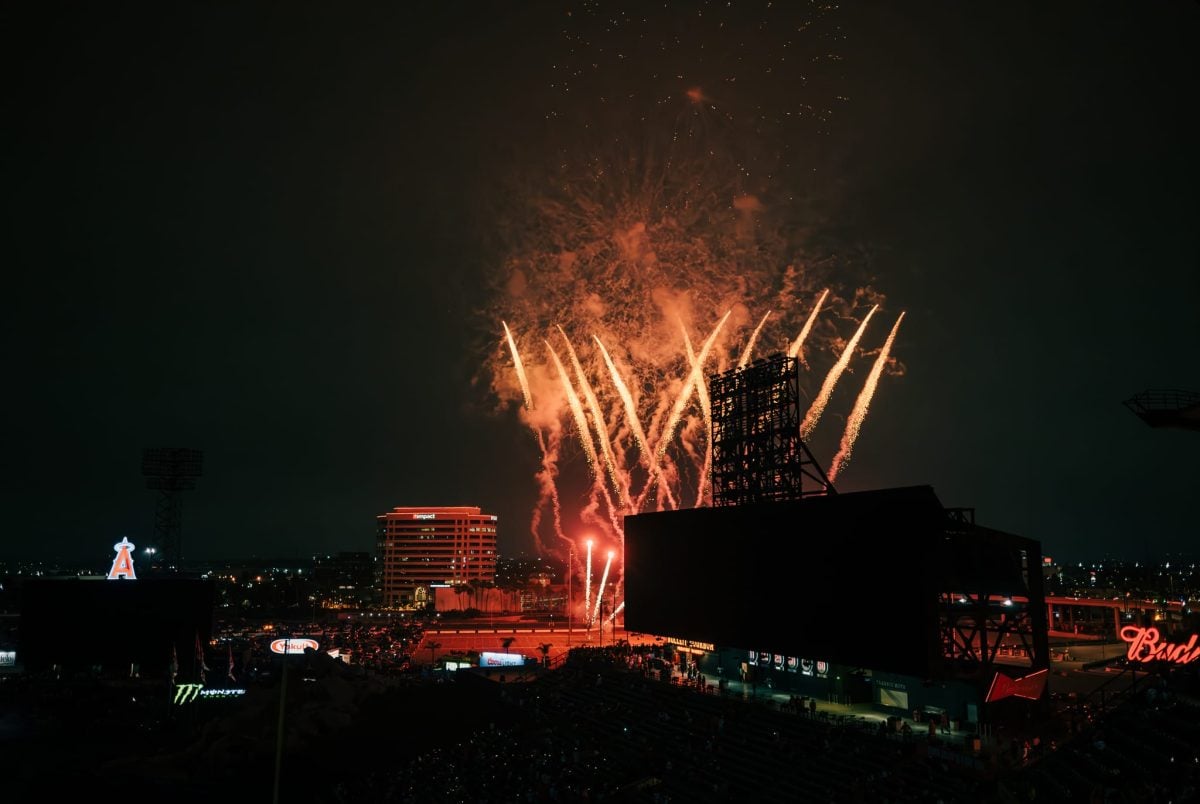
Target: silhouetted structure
[[758, 455], [1167, 408], [79, 623], [170, 470], [888, 581]]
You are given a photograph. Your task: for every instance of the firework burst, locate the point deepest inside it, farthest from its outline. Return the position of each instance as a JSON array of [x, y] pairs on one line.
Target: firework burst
[[672, 197]]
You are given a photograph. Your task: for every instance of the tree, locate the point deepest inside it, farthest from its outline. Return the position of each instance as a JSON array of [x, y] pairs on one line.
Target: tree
[[507, 643], [433, 646], [545, 649]]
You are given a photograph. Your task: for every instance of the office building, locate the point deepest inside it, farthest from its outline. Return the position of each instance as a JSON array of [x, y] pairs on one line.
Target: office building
[[423, 548]]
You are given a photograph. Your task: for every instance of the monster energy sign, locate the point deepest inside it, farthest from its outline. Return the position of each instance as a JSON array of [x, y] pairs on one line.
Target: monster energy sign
[[186, 693]]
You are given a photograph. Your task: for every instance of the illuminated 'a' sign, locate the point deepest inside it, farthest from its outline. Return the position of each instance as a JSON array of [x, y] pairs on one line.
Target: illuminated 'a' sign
[[122, 566], [1145, 645]]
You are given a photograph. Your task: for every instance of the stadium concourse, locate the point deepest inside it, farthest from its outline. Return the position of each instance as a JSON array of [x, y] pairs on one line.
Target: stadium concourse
[[526, 640]]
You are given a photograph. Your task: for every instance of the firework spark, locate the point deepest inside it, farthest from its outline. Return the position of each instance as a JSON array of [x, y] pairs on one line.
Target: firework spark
[[635, 424], [516, 356], [797, 345], [818, 406], [603, 580], [695, 379], [650, 198], [620, 607], [581, 425], [745, 358], [862, 404], [610, 462], [706, 416]]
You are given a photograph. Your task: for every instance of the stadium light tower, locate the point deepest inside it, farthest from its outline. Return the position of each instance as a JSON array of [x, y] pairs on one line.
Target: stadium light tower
[[170, 471], [1167, 408]]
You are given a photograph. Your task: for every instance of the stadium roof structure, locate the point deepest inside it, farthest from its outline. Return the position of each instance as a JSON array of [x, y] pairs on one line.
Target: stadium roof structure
[[887, 579], [1167, 408]]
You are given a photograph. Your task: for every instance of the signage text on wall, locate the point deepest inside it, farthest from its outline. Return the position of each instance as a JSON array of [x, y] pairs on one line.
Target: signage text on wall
[[1146, 645]]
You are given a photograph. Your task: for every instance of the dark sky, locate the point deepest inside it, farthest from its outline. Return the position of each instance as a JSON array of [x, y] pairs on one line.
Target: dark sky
[[253, 230]]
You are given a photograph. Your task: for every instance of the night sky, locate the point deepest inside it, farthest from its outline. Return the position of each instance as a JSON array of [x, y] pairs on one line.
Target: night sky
[[269, 233]]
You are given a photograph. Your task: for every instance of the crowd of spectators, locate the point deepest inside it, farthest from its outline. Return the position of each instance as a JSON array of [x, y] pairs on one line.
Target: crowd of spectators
[[613, 723], [607, 727], [1146, 750]]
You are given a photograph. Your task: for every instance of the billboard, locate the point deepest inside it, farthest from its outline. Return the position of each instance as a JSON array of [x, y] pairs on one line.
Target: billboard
[[805, 578], [854, 579], [489, 659], [293, 645]]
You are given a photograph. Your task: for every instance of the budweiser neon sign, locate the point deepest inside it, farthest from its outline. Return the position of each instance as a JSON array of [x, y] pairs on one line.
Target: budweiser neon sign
[[1146, 645]]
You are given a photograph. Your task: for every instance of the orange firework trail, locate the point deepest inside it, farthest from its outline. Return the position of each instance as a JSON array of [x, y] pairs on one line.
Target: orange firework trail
[[706, 413], [585, 436], [635, 424], [620, 608], [862, 404], [593, 403], [818, 406], [603, 581], [797, 345], [581, 425], [745, 358], [520, 367], [695, 378], [547, 475]]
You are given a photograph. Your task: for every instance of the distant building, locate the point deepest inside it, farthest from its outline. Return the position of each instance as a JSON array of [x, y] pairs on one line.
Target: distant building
[[345, 580], [423, 548]]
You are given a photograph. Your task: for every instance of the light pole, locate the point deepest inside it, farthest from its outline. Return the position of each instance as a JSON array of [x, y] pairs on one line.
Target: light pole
[[287, 644], [612, 615]]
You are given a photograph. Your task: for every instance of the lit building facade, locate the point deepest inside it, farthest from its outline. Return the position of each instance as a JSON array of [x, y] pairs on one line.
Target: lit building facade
[[421, 548]]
